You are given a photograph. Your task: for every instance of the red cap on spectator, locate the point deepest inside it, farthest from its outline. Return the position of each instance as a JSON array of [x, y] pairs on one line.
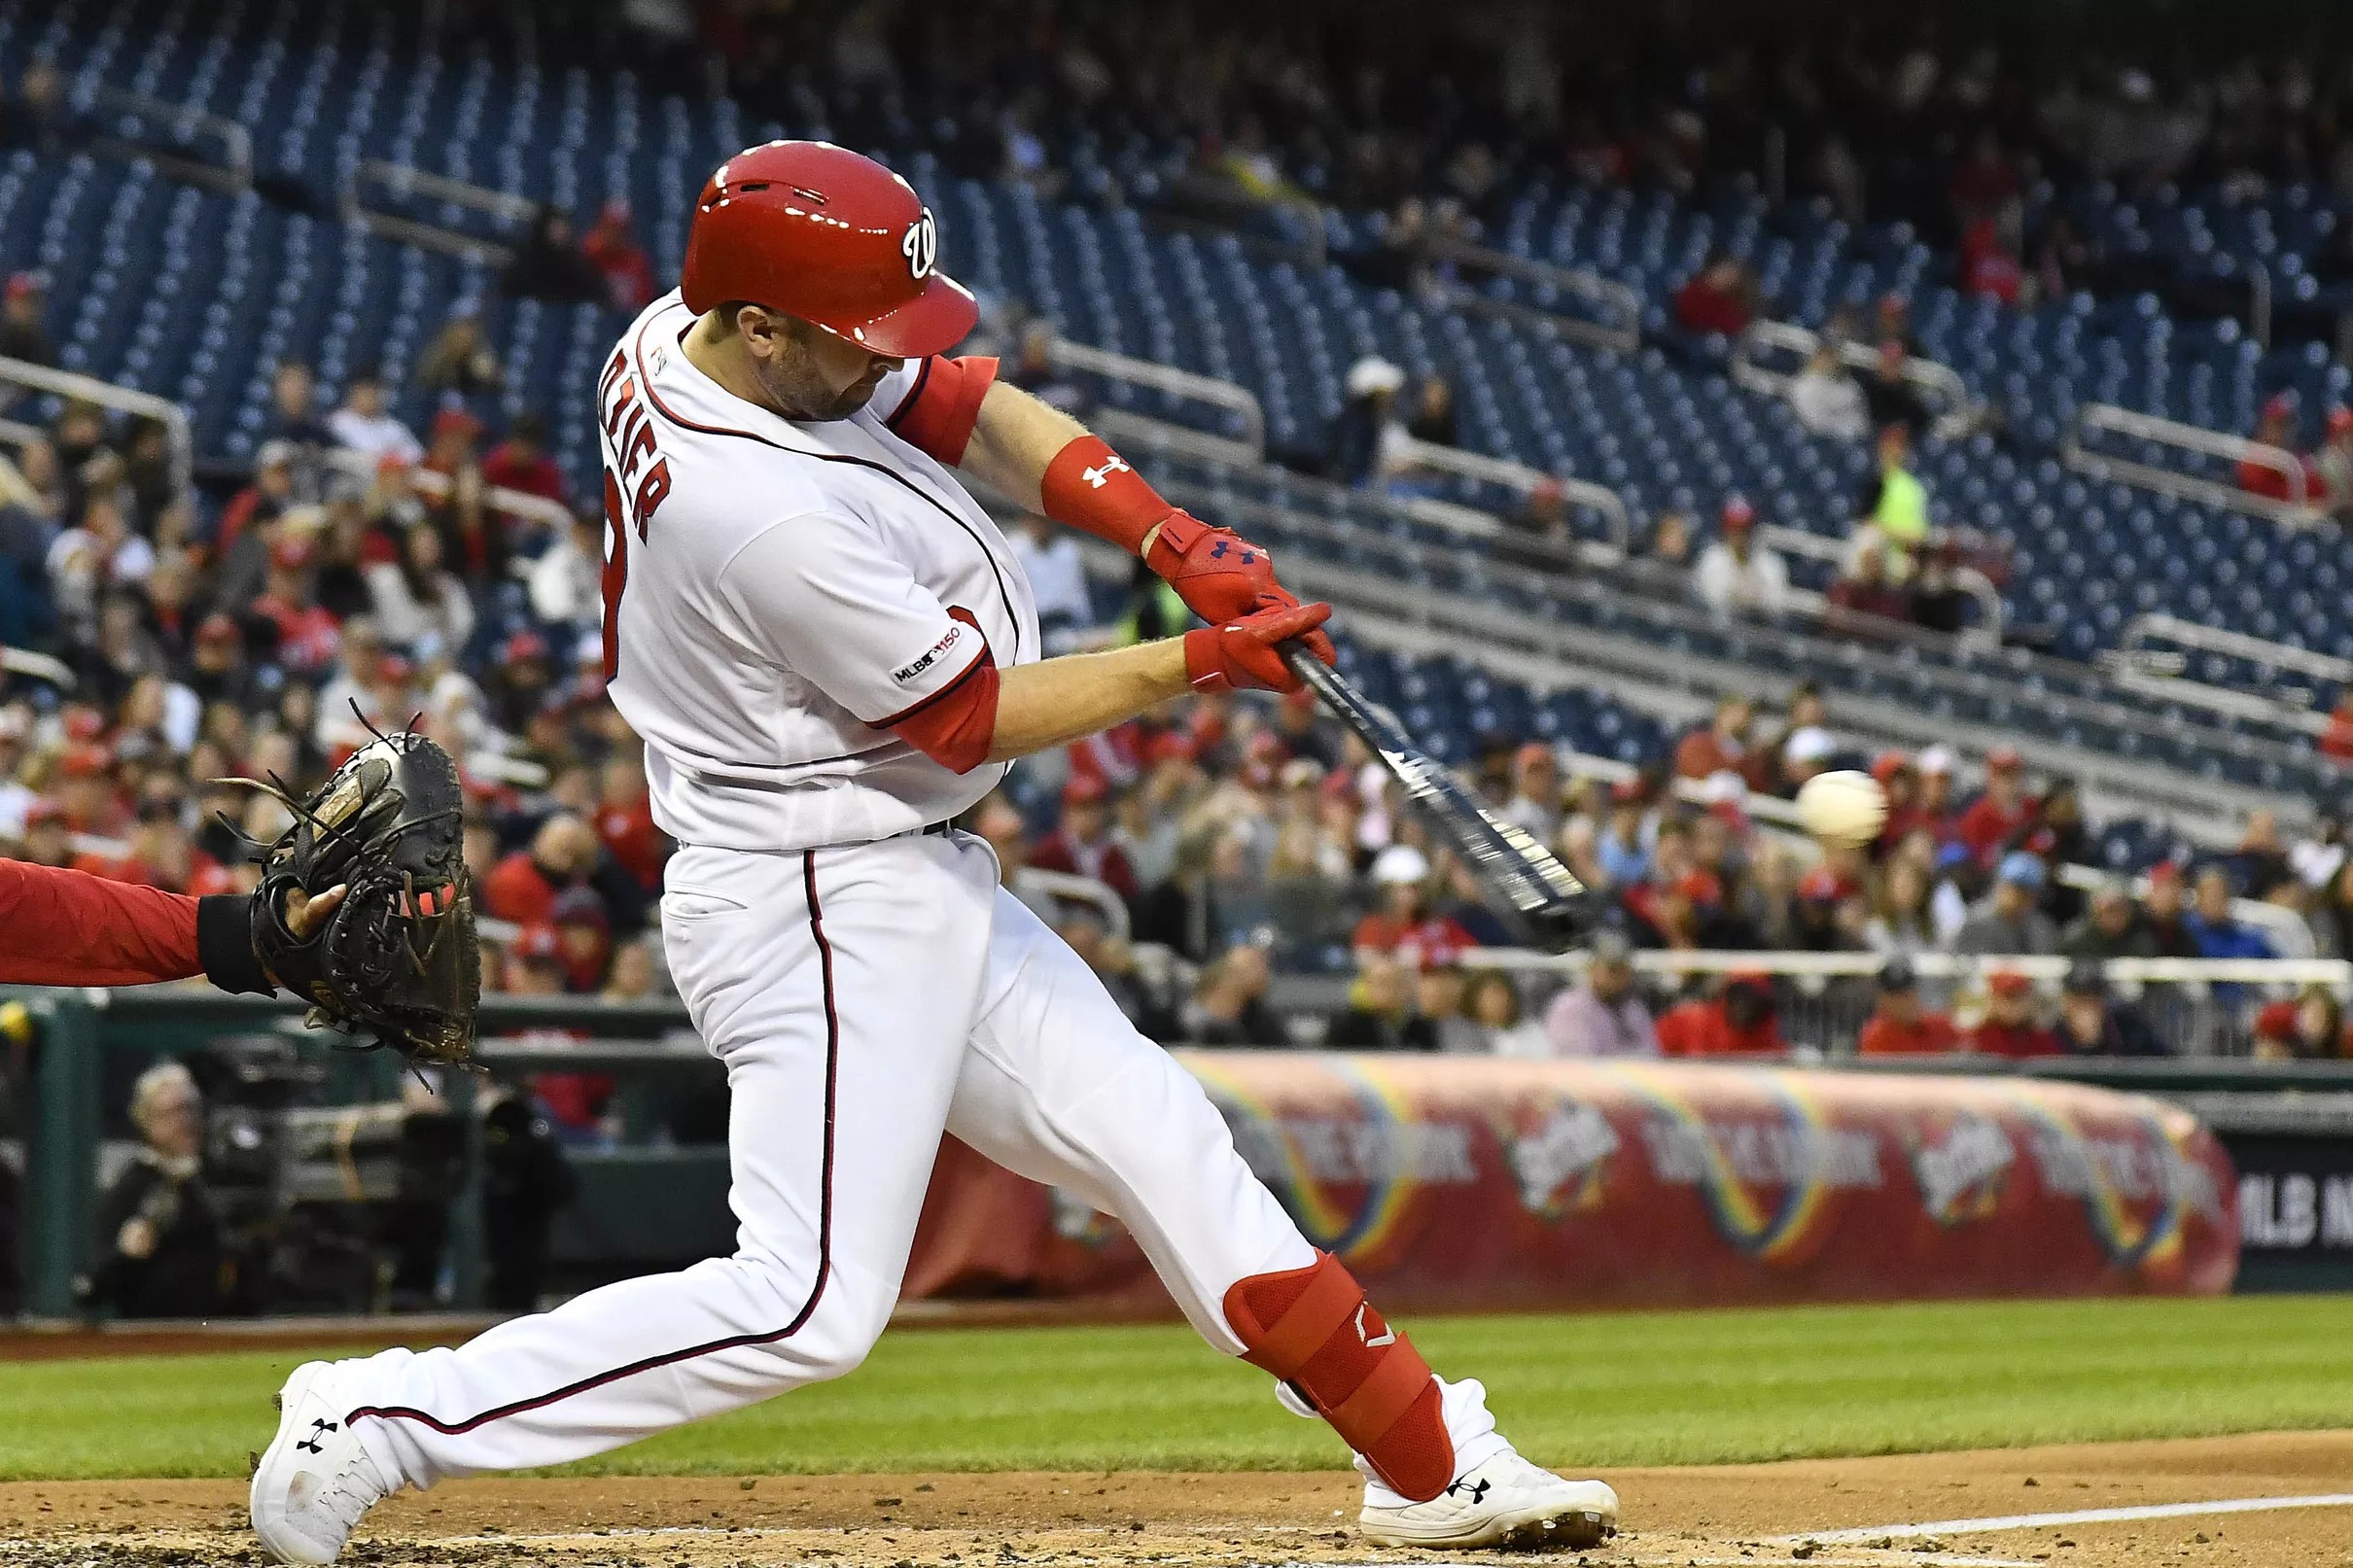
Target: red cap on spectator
[[1739, 513], [84, 722], [292, 552], [1532, 752], [1887, 764], [1085, 789], [20, 284], [2276, 1021], [2004, 758], [393, 463], [2340, 419], [217, 628], [538, 944], [1171, 745], [2165, 871], [2009, 983], [1701, 887], [2279, 405], [1819, 885], [42, 812], [85, 760], [523, 646], [1625, 791], [454, 421]]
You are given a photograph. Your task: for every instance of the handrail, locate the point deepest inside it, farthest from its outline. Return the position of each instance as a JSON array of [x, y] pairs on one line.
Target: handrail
[[37, 667], [403, 180], [2332, 972], [1169, 378], [1986, 633], [2092, 418], [1942, 381], [1088, 890], [2237, 644], [1609, 294], [1522, 478], [435, 483], [234, 174], [105, 394]]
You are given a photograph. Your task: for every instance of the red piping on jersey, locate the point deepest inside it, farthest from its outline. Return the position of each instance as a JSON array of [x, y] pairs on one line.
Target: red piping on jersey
[[653, 397], [824, 1234]]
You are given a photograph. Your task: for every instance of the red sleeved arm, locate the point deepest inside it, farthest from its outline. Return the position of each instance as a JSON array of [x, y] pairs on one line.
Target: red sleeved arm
[[61, 927], [937, 417]]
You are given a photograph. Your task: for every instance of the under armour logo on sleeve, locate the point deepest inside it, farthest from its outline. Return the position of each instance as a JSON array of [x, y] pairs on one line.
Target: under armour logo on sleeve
[[1099, 476]]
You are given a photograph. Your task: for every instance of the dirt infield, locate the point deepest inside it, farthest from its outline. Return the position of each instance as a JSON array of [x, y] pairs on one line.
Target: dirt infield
[[1732, 1515]]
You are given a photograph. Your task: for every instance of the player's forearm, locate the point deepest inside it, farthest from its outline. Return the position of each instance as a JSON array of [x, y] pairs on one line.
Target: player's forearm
[[1049, 704], [60, 927], [1014, 439]]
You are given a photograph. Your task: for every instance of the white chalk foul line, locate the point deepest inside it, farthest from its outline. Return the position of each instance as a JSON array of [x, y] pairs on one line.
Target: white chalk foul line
[[2085, 1516]]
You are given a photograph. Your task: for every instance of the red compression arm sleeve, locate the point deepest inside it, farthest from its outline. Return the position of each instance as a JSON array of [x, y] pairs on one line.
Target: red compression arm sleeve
[[939, 413], [61, 927], [1091, 487]]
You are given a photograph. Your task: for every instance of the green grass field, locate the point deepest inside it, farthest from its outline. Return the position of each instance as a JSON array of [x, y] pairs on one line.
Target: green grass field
[[1638, 1388]]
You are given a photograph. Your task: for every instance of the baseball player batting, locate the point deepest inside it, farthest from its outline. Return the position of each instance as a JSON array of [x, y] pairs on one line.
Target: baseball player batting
[[830, 653]]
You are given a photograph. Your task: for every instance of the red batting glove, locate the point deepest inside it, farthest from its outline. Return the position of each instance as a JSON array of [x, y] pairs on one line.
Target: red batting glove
[[1220, 575], [1243, 654]]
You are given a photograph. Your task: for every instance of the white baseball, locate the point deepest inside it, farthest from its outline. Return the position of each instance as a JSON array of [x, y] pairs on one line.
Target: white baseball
[[1843, 806]]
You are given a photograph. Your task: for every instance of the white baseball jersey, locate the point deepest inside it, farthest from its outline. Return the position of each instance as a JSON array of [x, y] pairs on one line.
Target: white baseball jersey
[[778, 594]]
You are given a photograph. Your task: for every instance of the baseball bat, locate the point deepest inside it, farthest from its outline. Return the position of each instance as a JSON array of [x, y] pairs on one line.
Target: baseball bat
[[1525, 881]]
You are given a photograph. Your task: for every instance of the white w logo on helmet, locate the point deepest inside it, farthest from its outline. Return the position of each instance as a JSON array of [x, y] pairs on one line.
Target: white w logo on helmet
[[921, 246]]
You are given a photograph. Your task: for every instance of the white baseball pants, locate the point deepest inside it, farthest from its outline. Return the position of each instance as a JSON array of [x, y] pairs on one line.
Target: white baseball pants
[[863, 999]]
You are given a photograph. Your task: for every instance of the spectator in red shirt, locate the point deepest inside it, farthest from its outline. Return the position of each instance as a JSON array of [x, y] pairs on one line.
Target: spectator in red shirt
[[2276, 427], [618, 258], [624, 820], [2337, 741], [1899, 1025], [1988, 266], [1739, 1022], [1083, 845], [585, 933], [1403, 923], [1720, 298], [521, 462], [1994, 820], [2009, 1027], [1902, 780], [1722, 745], [523, 887], [308, 637]]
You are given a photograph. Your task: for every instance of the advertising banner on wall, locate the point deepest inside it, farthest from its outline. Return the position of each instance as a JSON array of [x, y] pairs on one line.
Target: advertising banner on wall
[[1476, 1183]]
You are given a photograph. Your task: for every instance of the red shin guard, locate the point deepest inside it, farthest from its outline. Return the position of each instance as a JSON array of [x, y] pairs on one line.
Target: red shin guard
[[1314, 1329]]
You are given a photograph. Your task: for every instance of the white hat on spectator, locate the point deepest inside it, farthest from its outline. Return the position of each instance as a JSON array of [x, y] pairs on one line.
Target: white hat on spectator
[[1724, 787], [277, 454], [1372, 375], [1939, 760], [1400, 862], [1811, 744]]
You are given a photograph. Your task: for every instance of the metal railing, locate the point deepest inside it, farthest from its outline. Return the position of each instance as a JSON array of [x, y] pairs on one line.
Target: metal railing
[[183, 124], [2100, 418], [1622, 334], [399, 181], [1986, 633], [1942, 384], [179, 441], [2133, 664], [1517, 477], [1250, 448]]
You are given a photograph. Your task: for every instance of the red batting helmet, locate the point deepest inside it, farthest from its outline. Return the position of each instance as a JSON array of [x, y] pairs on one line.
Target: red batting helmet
[[820, 232]]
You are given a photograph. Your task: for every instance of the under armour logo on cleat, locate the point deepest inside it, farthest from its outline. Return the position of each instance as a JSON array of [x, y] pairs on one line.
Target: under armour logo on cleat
[[1375, 1342], [318, 1429], [1478, 1491], [1099, 476]]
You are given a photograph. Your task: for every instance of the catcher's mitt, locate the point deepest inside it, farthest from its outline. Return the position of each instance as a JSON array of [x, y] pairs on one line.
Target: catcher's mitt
[[399, 957]]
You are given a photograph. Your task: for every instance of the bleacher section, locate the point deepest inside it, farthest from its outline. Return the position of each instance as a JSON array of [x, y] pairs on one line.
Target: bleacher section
[[164, 295]]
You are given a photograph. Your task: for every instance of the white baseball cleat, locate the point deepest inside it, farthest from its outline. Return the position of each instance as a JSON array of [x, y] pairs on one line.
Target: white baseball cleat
[[1504, 1504], [315, 1480]]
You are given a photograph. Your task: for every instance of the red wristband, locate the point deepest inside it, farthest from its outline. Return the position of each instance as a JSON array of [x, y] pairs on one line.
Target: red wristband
[[1205, 662], [1091, 487]]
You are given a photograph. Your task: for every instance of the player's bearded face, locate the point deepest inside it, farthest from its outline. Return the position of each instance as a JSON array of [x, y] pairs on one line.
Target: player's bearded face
[[809, 373]]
